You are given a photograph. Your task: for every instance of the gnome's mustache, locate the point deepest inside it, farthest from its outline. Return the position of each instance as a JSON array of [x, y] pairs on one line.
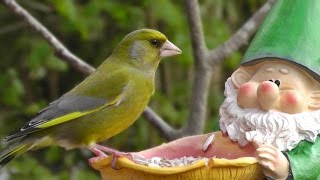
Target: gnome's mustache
[[281, 130]]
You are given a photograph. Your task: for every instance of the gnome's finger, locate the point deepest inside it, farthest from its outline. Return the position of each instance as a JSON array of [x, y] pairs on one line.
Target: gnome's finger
[[256, 143], [267, 165], [268, 146], [266, 150], [266, 157]]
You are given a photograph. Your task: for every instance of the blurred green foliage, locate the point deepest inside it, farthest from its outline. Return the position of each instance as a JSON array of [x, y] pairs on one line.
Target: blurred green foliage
[[31, 76]]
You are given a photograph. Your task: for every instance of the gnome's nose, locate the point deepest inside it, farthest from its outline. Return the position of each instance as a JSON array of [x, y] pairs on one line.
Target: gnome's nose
[[268, 95]]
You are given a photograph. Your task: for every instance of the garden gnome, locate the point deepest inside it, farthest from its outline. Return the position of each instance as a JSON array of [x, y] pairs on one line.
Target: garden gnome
[[273, 98]]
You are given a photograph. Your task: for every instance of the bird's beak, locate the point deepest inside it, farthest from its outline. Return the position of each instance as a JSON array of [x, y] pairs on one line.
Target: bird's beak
[[169, 49]]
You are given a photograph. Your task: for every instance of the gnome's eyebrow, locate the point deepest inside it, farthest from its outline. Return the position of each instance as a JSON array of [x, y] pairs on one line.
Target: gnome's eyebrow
[[269, 69], [284, 71]]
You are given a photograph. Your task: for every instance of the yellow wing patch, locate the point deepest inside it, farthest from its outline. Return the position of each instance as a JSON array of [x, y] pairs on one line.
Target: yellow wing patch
[[17, 151], [75, 115]]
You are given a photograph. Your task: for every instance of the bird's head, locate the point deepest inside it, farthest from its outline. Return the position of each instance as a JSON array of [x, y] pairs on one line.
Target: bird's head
[[144, 48]]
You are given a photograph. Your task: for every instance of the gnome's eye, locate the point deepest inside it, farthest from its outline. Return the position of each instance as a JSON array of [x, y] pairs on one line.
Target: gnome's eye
[[155, 42]]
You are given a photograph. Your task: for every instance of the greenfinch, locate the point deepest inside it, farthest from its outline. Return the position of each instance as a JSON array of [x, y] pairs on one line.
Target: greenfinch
[[104, 104]]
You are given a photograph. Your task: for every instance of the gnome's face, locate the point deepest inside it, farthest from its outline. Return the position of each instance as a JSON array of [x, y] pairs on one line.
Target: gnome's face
[[274, 102], [276, 85]]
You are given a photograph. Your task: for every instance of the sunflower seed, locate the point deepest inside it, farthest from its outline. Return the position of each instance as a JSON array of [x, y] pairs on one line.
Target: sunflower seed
[[208, 142], [164, 162]]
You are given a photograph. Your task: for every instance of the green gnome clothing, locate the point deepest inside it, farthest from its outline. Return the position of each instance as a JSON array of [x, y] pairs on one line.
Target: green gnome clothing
[[291, 32], [305, 160]]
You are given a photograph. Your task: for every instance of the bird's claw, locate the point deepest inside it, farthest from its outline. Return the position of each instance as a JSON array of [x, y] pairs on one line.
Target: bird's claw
[[99, 151], [99, 155], [116, 155]]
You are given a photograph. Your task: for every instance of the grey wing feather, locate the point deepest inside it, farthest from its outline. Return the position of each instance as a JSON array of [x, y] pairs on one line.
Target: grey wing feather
[[65, 105], [68, 104]]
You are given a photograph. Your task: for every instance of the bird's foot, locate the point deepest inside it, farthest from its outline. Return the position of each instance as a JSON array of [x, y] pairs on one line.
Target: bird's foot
[[99, 155], [99, 151]]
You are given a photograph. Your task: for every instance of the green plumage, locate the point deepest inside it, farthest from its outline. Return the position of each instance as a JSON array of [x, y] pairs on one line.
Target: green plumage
[[104, 104]]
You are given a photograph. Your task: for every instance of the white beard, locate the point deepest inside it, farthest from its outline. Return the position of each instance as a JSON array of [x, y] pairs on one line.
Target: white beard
[[281, 130]]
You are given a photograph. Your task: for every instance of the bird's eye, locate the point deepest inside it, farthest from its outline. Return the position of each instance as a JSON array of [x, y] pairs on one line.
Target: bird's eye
[[155, 42]]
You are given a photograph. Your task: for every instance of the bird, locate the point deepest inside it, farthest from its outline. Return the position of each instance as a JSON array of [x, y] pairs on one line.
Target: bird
[[104, 104]]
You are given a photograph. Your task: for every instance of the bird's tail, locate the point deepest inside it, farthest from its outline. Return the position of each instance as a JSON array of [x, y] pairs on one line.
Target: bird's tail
[[12, 152]]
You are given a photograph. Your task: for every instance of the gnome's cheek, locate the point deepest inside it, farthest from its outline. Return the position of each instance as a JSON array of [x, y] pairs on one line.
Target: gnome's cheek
[[292, 102], [247, 95]]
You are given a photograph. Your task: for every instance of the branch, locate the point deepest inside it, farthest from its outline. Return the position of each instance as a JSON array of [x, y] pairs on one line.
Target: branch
[[165, 130], [196, 32], [59, 48], [240, 37], [202, 73], [79, 64], [206, 59]]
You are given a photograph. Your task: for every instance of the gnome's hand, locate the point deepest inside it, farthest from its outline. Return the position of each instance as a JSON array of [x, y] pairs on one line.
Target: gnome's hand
[[273, 162]]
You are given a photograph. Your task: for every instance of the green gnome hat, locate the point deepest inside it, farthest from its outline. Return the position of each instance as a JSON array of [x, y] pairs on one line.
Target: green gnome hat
[[290, 32]]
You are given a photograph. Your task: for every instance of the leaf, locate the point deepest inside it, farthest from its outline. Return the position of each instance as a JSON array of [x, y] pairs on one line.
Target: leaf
[[73, 21], [54, 63], [12, 89], [169, 12], [39, 54]]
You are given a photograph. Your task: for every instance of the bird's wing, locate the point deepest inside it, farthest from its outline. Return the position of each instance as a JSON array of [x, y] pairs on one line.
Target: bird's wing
[[74, 104]]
